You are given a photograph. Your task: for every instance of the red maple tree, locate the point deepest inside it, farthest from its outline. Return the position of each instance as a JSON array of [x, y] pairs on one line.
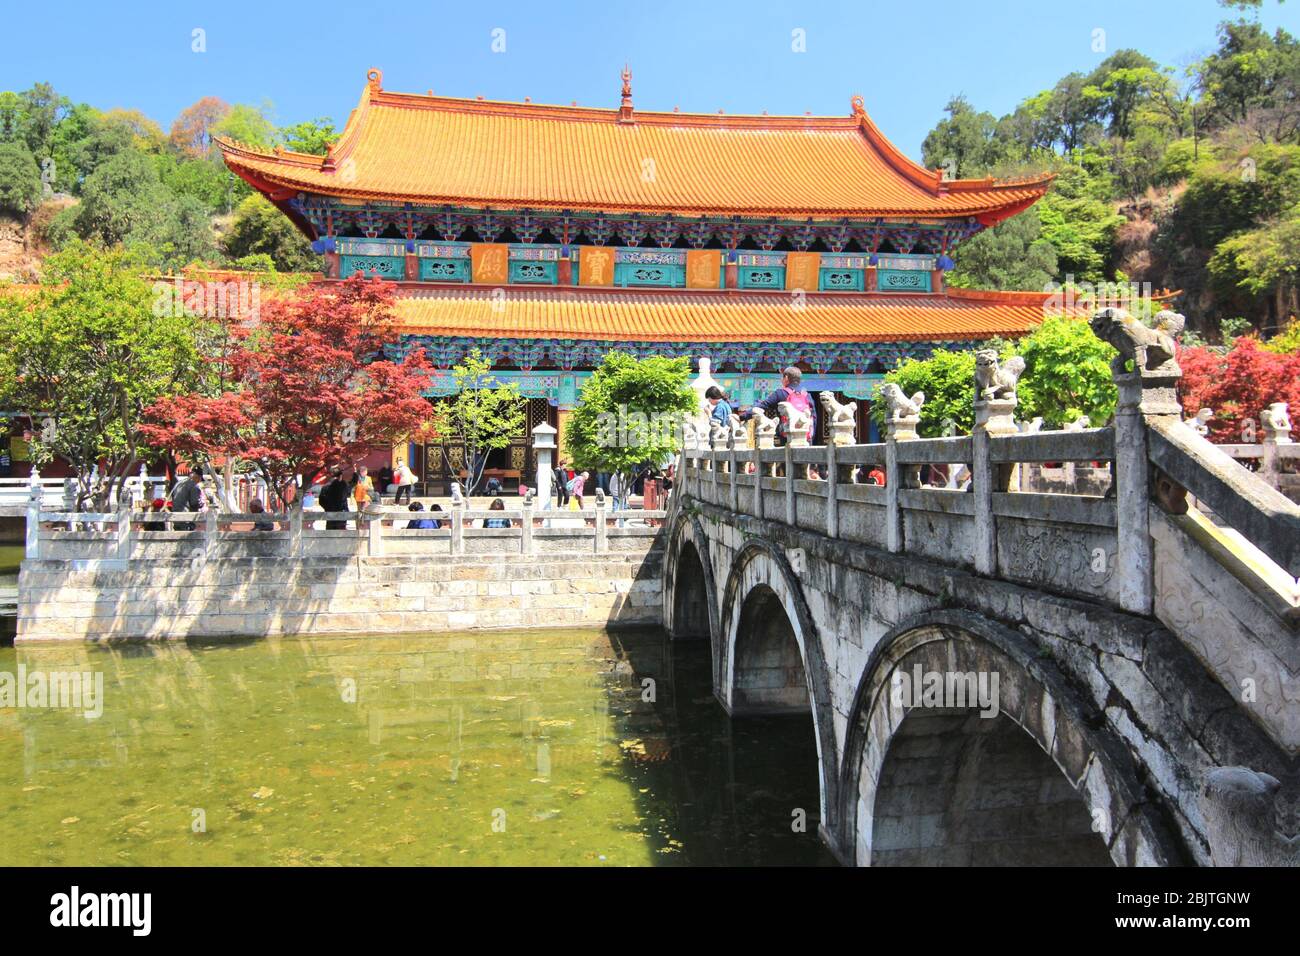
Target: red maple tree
[[1237, 385], [311, 388]]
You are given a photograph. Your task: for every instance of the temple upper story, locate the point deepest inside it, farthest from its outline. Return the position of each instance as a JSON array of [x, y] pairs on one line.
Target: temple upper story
[[433, 151], [416, 182]]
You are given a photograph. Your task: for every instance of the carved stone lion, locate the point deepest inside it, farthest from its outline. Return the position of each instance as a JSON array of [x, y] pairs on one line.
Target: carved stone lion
[[1151, 348], [798, 423], [898, 405], [1200, 422], [1078, 425], [1276, 419], [1032, 427], [835, 412], [994, 381], [764, 425]]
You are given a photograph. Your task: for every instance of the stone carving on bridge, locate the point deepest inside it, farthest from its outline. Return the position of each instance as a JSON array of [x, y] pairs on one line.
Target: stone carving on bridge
[[739, 433], [1151, 349], [1242, 818], [902, 414], [996, 381], [898, 406], [1200, 422], [1079, 424], [799, 423], [841, 419], [1276, 423], [1032, 427], [764, 430]]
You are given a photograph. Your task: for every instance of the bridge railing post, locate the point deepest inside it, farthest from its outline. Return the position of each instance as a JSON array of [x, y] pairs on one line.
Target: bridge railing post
[[993, 417], [35, 501], [902, 428], [1133, 553], [293, 545], [832, 490], [789, 485], [123, 527], [526, 527], [458, 526], [602, 526], [733, 495]]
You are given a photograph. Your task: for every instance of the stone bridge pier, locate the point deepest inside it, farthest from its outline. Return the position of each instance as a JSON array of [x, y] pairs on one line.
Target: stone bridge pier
[[998, 677]]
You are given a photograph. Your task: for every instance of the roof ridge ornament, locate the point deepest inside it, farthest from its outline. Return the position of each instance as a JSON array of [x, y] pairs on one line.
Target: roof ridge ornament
[[375, 77], [859, 105], [625, 108]]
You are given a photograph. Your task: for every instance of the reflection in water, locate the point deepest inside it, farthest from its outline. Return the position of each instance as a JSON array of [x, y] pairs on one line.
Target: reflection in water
[[538, 747]]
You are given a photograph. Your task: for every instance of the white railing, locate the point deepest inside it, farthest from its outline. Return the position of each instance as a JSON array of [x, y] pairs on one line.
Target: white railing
[[199, 536]]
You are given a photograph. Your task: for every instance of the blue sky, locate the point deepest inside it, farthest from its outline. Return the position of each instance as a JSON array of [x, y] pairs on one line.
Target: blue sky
[[310, 59]]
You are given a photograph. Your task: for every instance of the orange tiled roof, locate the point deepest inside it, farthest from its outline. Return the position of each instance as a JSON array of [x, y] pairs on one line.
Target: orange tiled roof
[[435, 150], [682, 315]]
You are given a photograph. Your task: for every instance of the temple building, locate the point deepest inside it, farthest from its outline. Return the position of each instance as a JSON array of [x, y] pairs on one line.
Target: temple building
[[546, 236]]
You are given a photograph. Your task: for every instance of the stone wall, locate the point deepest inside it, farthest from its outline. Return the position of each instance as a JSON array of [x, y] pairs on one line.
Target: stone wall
[[167, 598]]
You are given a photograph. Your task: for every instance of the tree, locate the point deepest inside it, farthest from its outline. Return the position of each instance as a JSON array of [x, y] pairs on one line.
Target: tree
[[88, 354], [948, 379], [480, 416], [629, 416], [313, 136], [260, 228], [191, 132], [1067, 374], [1079, 221], [20, 179], [308, 391], [1237, 385], [250, 125], [963, 143], [124, 202], [1263, 262], [1011, 255]]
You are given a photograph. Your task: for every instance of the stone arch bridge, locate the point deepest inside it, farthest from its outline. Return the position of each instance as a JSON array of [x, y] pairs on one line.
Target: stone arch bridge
[[1004, 677]]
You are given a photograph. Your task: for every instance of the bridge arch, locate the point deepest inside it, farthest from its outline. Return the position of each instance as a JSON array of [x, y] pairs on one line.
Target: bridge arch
[[765, 623], [690, 594], [1002, 778]]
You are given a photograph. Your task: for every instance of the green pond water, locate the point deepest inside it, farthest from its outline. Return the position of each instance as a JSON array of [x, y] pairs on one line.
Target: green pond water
[[520, 748]]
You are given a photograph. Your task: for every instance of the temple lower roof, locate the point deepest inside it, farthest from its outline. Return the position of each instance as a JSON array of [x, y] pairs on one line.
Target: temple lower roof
[[685, 315]]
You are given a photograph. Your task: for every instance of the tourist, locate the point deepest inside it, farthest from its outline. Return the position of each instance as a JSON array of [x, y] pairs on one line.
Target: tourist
[[404, 481], [385, 481], [493, 486], [363, 489], [791, 392], [187, 495], [497, 505], [256, 507], [720, 409], [436, 522], [814, 474], [876, 476], [334, 498], [420, 524], [576, 484], [561, 478], [156, 519]]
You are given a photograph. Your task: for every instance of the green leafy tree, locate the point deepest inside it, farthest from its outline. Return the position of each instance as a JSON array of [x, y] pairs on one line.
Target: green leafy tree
[[313, 136], [1078, 222], [20, 179], [124, 202], [1011, 255], [481, 416], [948, 379], [261, 229], [250, 125], [964, 143], [89, 352], [1067, 374], [629, 416]]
